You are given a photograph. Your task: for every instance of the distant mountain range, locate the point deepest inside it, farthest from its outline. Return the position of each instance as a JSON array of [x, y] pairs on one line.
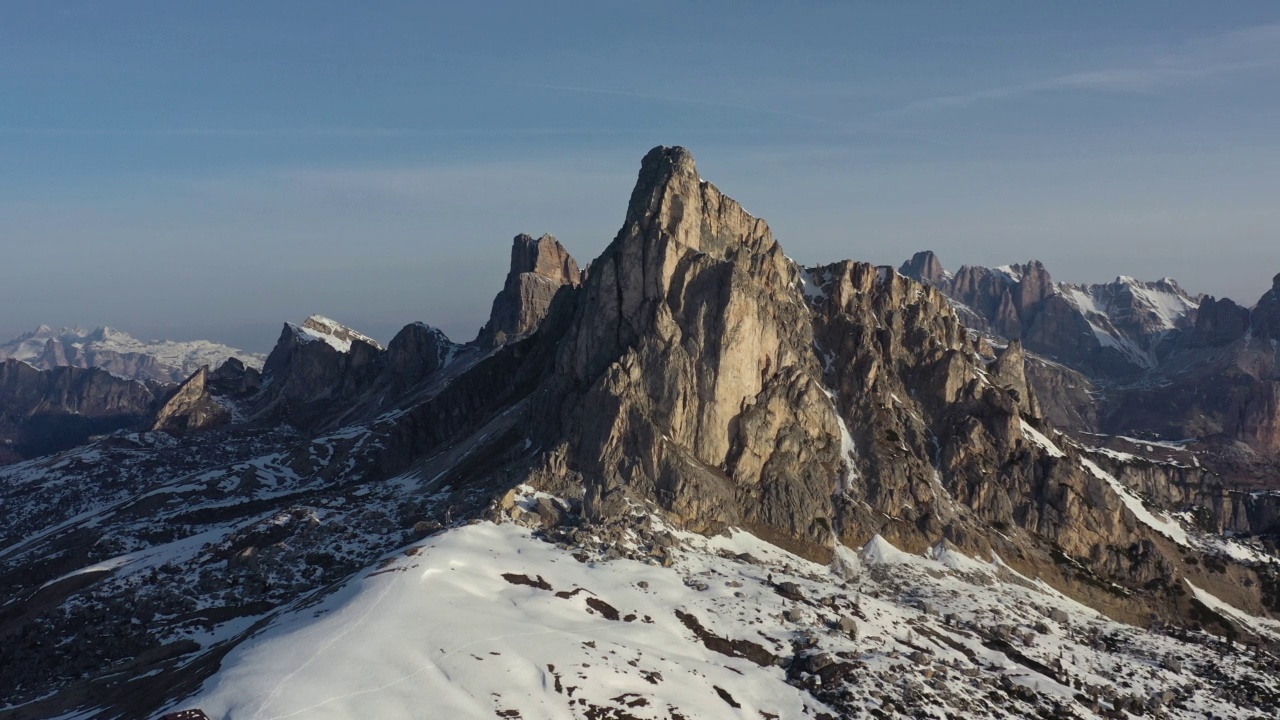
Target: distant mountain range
[[1134, 358], [165, 361]]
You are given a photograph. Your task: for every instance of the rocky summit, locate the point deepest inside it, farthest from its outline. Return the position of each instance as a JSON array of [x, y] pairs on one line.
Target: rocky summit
[[692, 480]]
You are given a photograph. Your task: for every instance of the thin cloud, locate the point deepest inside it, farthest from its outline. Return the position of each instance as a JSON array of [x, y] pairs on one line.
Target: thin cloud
[[355, 133], [691, 101], [207, 132], [1219, 55]]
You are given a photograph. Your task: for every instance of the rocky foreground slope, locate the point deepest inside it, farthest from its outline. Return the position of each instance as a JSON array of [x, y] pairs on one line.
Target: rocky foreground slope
[[693, 480]]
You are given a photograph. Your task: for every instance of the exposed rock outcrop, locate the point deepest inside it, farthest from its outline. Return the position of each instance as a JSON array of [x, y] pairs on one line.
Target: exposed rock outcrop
[[1069, 399], [417, 351], [235, 379], [1111, 330], [1219, 323], [1265, 319], [696, 374], [190, 407], [1130, 357], [539, 268]]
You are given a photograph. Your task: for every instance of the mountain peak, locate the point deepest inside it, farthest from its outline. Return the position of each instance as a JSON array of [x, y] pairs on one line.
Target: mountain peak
[[544, 256], [539, 268], [319, 327], [925, 267], [659, 168]]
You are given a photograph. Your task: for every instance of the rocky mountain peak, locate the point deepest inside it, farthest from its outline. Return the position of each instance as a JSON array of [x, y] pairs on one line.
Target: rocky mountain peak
[[418, 350], [1219, 323], [339, 336], [544, 256], [671, 199], [539, 268], [925, 267]]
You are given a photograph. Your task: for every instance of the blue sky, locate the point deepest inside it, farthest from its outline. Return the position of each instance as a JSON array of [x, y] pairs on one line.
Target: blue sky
[[212, 169]]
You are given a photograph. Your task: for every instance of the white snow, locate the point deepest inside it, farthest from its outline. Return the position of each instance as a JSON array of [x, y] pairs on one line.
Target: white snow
[[1038, 438], [337, 335], [183, 356], [1168, 527], [879, 551], [438, 632], [306, 334], [442, 633], [1009, 271], [1261, 626], [811, 284]]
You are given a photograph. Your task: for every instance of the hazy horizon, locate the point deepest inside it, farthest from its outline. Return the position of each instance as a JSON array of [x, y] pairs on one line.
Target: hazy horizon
[[182, 171]]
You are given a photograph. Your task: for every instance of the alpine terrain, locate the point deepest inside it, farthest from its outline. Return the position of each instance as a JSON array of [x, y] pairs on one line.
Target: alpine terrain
[[690, 479]]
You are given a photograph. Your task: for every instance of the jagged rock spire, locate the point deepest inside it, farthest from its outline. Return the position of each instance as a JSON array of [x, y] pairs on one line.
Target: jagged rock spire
[[539, 268]]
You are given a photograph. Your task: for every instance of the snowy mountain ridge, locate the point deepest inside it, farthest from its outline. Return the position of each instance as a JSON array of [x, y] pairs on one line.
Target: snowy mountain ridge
[[1131, 315], [331, 332]]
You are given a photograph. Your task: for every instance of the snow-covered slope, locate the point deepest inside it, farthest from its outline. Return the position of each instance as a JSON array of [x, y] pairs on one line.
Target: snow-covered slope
[[121, 353], [489, 621], [1133, 316], [337, 335]]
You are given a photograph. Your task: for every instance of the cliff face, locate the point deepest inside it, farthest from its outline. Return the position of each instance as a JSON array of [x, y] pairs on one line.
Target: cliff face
[[688, 376], [43, 411]]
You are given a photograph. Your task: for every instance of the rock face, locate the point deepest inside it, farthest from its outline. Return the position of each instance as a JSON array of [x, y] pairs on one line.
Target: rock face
[[1265, 319], [1219, 323], [539, 268], [925, 267], [417, 351], [235, 379], [688, 360], [43, 411], [191, 407], [1068, 398], [323, 374]]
